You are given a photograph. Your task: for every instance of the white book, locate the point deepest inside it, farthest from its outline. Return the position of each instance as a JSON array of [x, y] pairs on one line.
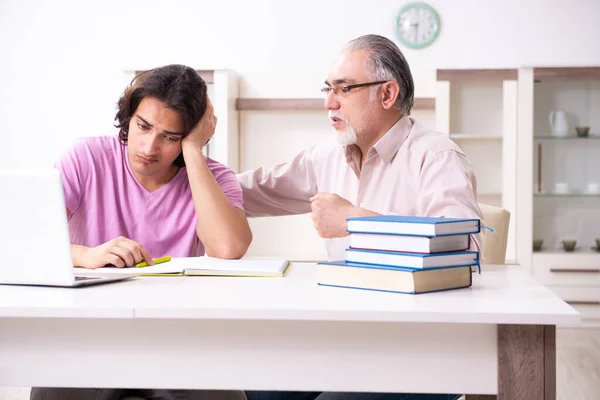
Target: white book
[[207, 266], [415, 244], [412, 260]]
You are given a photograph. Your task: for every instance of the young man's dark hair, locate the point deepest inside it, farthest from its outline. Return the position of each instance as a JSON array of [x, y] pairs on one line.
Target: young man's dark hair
[[178, 86]]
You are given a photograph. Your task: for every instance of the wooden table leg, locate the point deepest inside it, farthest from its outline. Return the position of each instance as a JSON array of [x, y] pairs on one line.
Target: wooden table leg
[[527, 362]]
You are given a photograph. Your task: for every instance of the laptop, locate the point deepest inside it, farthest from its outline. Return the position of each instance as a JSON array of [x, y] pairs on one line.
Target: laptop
[[35, 248]]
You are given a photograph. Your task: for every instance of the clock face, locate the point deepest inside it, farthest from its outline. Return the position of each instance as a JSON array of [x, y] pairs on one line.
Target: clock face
[[417, 25]]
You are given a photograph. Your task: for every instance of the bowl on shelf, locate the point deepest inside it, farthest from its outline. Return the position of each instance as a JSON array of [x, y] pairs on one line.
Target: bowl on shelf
[[582, 131], [569, 245]]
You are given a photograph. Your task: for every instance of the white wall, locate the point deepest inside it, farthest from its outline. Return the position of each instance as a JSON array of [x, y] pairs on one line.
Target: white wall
[[61, 62]]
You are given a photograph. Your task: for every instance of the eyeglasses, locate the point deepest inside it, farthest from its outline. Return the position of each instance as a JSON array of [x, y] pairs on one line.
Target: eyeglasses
[[344, 90]]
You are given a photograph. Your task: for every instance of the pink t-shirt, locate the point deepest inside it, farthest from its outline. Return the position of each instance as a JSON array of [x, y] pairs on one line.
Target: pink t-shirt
[[106, 200]]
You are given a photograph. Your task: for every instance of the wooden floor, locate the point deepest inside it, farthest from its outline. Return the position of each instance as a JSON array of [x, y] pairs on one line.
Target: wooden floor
[[578, 367], [578, 364]]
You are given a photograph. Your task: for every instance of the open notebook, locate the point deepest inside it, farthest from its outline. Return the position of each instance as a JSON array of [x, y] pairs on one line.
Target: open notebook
[[206, 266]]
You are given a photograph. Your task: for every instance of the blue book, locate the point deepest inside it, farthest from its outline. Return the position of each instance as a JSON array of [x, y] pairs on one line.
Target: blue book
[[417, 226], [412, 260], [345, 274]]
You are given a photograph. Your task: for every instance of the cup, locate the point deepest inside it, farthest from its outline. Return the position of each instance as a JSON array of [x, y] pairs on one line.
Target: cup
[[561, 187], [597, 244], [593, 187], [537, 244], [569, 245]]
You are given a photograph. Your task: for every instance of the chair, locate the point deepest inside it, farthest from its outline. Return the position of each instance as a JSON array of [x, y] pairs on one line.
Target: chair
[[494, 244]]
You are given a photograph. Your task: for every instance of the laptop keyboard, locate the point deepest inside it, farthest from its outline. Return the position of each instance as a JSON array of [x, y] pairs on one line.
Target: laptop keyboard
[[86, 278]]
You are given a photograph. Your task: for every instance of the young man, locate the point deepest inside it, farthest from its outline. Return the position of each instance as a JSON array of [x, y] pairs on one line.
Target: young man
[[385, 162], [150, 192]]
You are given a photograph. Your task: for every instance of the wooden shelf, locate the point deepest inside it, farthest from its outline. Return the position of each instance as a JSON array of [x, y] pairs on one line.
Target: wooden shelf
[[566, 195], [578, 250], [566, 74], [467, 136], [477, 75], [315, 104], [278, 104]]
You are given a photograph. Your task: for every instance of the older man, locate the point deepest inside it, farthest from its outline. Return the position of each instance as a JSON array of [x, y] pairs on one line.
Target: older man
[[384, 163]]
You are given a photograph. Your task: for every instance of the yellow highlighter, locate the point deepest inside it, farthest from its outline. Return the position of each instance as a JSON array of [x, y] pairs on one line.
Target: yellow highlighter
[[155, 261]]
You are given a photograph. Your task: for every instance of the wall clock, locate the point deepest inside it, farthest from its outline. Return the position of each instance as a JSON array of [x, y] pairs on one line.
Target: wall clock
[[417, 25]]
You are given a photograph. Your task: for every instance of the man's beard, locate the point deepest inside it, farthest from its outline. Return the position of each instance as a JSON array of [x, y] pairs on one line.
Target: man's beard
[[347, 136]]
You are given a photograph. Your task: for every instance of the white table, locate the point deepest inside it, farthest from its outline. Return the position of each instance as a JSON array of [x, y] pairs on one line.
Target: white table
[[285, 334]]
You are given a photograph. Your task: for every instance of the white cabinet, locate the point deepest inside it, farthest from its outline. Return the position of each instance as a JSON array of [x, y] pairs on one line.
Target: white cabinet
[[581, 270], [559, 187], [478, 109]]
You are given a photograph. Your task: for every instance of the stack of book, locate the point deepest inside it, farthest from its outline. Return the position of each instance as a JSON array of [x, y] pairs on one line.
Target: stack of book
[[405, 255]]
